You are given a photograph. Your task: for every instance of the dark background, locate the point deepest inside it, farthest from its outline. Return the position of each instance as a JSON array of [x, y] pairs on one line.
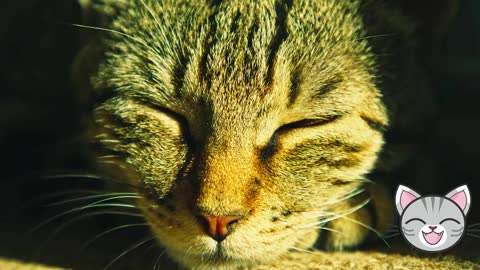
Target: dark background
[[41, 123]]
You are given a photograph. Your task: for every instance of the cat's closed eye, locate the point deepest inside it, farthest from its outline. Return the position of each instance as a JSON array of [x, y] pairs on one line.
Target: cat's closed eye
[[180, 119], [415, 219], [449, 219], [308, 123], [270, 148]]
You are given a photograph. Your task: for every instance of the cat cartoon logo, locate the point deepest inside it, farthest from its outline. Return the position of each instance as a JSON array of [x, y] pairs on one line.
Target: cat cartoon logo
[[432, 223]]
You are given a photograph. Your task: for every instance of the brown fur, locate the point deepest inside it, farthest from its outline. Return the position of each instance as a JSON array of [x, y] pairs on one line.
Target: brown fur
[[270, 110]]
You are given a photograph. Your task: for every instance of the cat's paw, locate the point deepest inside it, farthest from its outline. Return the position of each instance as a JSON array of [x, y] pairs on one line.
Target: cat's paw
[[349, 231], [367, 223]]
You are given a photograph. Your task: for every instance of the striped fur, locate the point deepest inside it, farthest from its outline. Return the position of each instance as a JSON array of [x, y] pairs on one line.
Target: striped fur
[[271, 109]]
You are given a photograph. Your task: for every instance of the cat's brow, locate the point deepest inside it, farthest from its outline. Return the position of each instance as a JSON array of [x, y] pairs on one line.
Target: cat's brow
[[280, 35], [440, 205], [424, 201], [433, 204]]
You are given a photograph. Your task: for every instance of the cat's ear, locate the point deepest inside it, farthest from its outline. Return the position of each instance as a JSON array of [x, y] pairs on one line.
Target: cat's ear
[[404, 197], [461, 196]]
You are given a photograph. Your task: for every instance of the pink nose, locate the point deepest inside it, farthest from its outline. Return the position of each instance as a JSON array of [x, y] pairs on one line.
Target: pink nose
[[218, 227], [432, 227]]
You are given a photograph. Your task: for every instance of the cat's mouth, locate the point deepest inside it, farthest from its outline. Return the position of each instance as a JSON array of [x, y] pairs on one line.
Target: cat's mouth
[[432, 238]]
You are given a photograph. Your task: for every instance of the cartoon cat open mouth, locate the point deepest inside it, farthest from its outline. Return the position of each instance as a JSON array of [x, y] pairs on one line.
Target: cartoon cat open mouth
[[432, 238]]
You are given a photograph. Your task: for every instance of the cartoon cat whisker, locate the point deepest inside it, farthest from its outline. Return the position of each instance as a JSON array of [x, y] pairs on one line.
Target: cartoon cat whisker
[[472, 235], [473, 225]]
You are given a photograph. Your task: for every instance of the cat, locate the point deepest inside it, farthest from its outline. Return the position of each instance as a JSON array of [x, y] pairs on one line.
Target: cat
[[433, 223], [248, 128]]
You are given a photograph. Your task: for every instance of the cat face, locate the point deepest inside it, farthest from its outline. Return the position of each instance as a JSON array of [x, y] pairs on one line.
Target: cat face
[[243, 122], [433, 223]]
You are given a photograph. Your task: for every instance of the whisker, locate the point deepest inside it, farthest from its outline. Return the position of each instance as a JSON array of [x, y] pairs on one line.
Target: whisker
[[187, 251], [92, 240], [473, 235], [159, 26], [114, 198], [80, 209], [81, 217], [345, 197], [131, 248], [73, 175], [35, 177], [90, 197], [369, 228], [150, 247], [302, 250], [113, 32], [156, 265], [330, 230], [56, 194], [86, 176], [337, 215], [374, 36], [107, 157]]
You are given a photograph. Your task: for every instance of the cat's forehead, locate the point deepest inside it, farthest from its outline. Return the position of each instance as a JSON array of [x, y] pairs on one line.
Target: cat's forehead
[[250, 50], [226, 64], [432, 206]]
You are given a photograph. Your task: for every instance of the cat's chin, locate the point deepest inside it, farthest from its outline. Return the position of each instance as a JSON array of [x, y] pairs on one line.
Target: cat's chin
[[216, 261]]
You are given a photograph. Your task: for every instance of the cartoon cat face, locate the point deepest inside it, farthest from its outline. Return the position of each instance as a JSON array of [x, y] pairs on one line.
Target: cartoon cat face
[[433, 223]]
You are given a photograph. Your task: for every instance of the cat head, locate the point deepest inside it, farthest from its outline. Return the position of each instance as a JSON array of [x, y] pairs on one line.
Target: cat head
[[240, 121], [433, 223]]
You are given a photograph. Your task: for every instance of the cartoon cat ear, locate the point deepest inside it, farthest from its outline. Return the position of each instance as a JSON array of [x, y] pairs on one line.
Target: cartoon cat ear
[[404, 197], [461, 196]]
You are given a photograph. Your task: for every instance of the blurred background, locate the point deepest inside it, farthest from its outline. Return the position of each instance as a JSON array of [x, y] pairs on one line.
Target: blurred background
[[41, 122]]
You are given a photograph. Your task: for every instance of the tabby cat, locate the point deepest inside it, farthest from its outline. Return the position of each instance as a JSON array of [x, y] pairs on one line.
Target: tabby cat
[[249, 128]]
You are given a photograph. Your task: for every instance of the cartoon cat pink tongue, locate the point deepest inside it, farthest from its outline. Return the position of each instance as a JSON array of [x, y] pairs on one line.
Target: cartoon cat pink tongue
[[433, 237]]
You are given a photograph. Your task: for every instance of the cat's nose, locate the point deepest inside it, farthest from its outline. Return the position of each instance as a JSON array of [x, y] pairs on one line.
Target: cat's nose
[[218, 227], [432, 227]]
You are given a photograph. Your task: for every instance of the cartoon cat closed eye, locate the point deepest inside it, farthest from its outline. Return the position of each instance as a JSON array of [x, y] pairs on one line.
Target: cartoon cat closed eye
[[433, 223]]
